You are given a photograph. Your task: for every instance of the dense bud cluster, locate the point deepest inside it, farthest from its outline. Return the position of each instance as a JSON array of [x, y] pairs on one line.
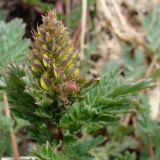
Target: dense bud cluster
[[54, 60]]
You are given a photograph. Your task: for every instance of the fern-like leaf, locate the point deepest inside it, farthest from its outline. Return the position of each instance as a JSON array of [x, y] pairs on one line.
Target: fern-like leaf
[[13, 46]]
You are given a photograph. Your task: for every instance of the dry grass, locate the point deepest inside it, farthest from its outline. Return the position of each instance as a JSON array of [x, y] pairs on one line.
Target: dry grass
[[118, 22]]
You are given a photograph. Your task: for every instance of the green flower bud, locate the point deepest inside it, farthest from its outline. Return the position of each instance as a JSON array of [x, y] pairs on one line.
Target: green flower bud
[[53, 55]]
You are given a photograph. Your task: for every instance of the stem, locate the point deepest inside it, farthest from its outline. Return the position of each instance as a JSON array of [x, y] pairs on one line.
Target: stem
[[151, 66], [59, 6], [127, 119], [76, 36], [83, 27], [134, 121], [151, 150], [12, 135]]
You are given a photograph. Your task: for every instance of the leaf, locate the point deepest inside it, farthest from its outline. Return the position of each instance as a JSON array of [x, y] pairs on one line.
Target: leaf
[[46, 152], [81, 150], [13, 46], [151, 26], [72, 151]]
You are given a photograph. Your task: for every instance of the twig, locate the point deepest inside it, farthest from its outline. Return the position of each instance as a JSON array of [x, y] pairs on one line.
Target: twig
[[134, 121], [151, 66], [128, 34], [119, 14], [12, 135], [126, 120], [151, 150], [76, 35], [83, 27], [120, 27]]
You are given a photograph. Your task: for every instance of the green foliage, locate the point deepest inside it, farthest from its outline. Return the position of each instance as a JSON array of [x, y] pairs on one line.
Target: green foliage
[[121, 138], [13, 46], [118, 144], [81, 150], [97, 105], [132, 61], [151, 27], [94, 107], [47, 152], [22, 104], [103, 104], [74, 151], [148, 130]]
